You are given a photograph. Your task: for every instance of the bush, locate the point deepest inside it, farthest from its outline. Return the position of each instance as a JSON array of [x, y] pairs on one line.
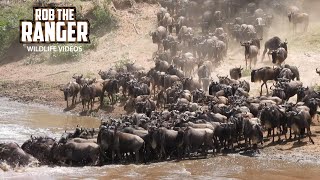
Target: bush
[[93, 43], [102, 18], [123, 61], [9, 24]]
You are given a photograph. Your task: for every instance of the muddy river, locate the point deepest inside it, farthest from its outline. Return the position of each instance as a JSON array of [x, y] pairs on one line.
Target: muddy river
[[18, 121]]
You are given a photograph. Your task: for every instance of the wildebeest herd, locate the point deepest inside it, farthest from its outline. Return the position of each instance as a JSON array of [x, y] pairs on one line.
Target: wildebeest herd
[[176, 109]]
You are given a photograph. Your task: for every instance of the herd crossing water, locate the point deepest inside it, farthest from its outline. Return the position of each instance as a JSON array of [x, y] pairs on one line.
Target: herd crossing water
[[18, 121]]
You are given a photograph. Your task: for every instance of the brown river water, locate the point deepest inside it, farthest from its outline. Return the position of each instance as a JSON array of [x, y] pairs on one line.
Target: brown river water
[[18, 121]]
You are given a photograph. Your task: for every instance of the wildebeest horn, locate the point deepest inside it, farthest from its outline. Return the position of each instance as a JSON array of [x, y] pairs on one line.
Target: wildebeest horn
[[133, 62], [271, 87], [317, 70], [74, 76]]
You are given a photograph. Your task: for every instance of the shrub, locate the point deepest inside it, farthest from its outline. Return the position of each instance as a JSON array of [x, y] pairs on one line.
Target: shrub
[[102, 18], [9, 24], [93, 43]]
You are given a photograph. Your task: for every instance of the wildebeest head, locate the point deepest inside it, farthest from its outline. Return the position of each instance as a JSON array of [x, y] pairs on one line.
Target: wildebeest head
[[85, 92], [246, 46], [253, 73], [290, 15], [257, 134], [227, 91], [140, 107], [236, 73], [223, 79], [105, 138], [317, 71], [77, 78], [274, 55], [154, 35]]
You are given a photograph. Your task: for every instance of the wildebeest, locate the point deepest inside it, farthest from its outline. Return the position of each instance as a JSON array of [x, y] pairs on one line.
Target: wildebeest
[[272, 117], [166, 141], [294, 70], [111, 73], [71, 90], [235, 73], [40, 148], [160, 14], [250, 53], [14, 156], [298, 122], [168, 22], [159, 35], [252, 131], [279, 56], [264, 74], [76, 153], [299, 18], [111, 86], [271, 44], [88, 94], [193, 138], [119, 142], [318, 71]]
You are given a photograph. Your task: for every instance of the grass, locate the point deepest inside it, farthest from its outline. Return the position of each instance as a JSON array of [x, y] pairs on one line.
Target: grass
[[89, 75], [309, 41], [317, 87], [246, 72]]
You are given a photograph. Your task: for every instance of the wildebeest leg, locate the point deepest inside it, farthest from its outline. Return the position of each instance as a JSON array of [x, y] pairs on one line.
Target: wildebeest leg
[[309, 135], [83, 104], [73, 98], [112, 156], [92, 103], [101, 99], [264, 53], [261, 89], [267, 88], [67, 103], [290, 137], [279, 136], [269, 132], [273, 135], [137, 156]]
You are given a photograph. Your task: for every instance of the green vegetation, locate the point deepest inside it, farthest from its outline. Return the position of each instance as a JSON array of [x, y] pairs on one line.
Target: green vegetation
[[309, 41], [93, 43], [123, 61], [9, 24], [317, 87], [246, 72], [90, 75]]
